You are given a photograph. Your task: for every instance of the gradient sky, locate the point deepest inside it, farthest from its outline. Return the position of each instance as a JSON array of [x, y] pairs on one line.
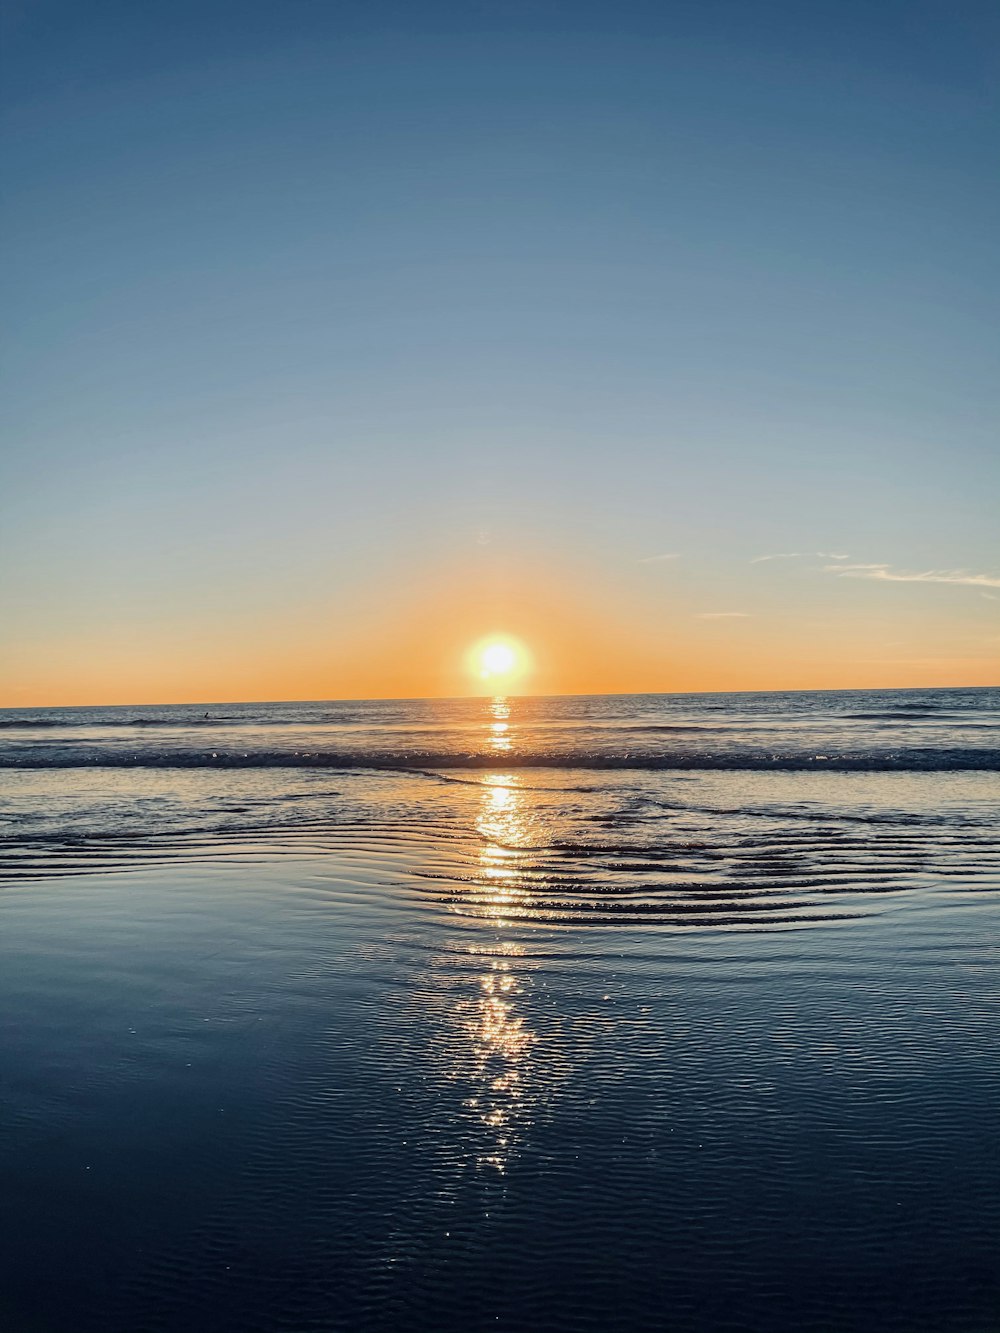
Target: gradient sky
[[341, 334]]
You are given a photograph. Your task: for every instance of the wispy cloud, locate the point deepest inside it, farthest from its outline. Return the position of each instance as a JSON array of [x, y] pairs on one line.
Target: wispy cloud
[[799, 555], [654, 559], [886, 574], [723, 615]]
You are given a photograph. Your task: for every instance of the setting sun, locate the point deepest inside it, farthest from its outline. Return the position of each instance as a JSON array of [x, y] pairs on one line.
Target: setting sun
[[499, 659]]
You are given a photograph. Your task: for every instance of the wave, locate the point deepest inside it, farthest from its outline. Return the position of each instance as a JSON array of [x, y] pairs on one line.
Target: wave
[[30, 723], [84, 722], [169, 722], [21, 723], [904, 714], [914, 760]]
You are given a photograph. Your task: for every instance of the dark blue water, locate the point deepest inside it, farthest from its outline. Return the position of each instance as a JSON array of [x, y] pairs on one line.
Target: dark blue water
[[551, 1045]]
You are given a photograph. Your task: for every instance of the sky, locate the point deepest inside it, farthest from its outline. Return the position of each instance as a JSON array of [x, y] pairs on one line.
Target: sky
[[661, 336]]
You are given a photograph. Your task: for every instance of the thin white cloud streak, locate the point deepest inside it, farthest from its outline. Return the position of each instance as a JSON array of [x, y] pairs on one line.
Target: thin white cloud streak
[[800, 555], [886, 574], [654, 559], [723, 615]]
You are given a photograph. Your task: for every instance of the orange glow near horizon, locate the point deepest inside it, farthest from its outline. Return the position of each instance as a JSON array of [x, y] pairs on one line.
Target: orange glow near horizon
[[524, 626]]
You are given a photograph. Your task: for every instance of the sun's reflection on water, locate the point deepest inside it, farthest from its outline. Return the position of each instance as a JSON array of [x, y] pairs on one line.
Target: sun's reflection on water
[[501, 1040], [500, 1035], [499, 739], [503, 826]]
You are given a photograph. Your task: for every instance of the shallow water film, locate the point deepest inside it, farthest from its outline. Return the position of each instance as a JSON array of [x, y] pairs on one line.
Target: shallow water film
[[494, 1017]]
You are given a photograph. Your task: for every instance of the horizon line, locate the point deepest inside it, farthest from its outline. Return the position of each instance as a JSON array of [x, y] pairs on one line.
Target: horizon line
[[511, 694]]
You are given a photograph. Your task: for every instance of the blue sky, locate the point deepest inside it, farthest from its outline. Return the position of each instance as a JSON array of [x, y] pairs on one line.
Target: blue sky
[[308, 302]]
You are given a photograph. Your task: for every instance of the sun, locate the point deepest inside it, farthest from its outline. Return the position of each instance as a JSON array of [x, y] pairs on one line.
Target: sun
[[499, 659]]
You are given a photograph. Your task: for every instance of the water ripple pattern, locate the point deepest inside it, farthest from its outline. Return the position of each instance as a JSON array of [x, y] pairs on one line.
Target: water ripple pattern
[[749, 850]]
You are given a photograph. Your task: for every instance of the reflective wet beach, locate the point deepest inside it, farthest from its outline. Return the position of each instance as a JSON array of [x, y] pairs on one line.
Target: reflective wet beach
[[526, 1050]]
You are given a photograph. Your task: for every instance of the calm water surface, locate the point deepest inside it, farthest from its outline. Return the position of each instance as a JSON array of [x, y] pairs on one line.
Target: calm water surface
[[657, 1013]]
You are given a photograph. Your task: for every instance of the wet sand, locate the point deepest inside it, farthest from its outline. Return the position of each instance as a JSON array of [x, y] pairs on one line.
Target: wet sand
[[307, 1092]]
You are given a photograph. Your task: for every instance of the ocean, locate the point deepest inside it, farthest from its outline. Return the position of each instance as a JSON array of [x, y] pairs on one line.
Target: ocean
[[674, 1013]]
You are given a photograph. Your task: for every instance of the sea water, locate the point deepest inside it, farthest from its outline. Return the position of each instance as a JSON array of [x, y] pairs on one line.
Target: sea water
[[623, 1013]]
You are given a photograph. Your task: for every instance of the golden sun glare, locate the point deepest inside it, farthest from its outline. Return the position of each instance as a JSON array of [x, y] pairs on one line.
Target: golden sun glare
[[499, 659]]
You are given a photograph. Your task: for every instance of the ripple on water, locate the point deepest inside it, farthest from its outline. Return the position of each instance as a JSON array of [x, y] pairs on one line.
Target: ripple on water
[[602, 855]]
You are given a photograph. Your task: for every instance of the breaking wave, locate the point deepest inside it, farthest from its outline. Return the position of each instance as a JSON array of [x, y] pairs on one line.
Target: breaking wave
[[913, 760]]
